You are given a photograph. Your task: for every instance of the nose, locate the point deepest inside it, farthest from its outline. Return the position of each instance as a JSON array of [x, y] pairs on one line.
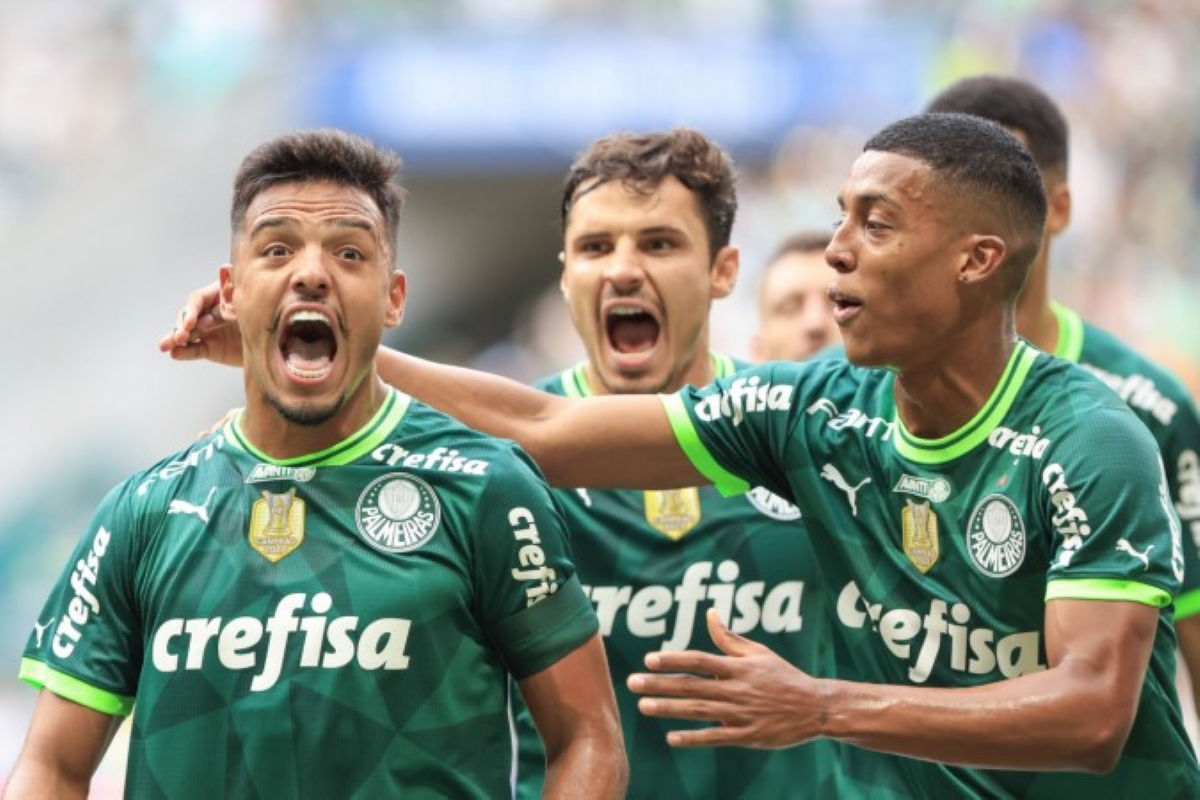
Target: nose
[[624, 268], [838, 254], [310, 275]]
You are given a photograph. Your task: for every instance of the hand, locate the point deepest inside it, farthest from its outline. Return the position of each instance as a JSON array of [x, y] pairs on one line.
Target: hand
[[757, 698], [201, 332]]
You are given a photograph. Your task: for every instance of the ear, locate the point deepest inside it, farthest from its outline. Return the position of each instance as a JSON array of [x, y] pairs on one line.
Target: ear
[[226, 293], [1058, 215], [724, 273], [562, 276], [982, 258], [396, 294]]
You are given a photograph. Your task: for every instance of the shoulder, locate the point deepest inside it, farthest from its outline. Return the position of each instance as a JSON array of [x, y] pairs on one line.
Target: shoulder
[[1153, 391]]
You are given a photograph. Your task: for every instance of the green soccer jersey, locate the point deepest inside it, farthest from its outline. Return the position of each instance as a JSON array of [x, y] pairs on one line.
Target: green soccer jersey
[[1161, 401], [347, 624], [940, 555], [652, 563]]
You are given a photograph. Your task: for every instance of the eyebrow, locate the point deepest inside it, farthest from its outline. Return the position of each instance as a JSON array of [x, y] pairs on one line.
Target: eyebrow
[[657, 230], [867, 199], [286, 222]]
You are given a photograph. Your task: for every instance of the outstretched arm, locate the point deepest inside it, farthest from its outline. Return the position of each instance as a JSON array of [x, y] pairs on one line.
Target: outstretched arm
[[1098, 654], [63, 748], [607, 441], [573, 707]]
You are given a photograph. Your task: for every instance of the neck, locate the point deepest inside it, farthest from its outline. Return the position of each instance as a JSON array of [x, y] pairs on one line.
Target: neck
[[271, 434], [1036, 321], [940, 396]]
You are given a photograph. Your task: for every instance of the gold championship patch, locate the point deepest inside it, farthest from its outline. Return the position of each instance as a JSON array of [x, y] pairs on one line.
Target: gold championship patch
[[277, 524], [920, 525], [674, 512]]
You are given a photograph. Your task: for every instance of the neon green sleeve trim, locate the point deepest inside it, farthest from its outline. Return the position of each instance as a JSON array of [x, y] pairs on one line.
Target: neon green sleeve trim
[[37, 674], [1105, 589], [1187, 605], [726, 482]]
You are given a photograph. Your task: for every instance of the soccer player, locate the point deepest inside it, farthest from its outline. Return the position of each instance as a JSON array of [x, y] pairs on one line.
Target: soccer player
[[646, 227], [795, 316], [333, 594], [993, 523], [1156, 396]]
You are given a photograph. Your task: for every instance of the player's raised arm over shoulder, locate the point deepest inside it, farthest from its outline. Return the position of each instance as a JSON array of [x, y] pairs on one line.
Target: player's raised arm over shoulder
[[62, 750], [608, 441]]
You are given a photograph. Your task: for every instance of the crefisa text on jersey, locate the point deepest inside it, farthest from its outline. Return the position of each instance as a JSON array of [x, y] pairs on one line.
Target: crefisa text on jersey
[[328, 642], [744, 608], [83, 604], [532, 558]]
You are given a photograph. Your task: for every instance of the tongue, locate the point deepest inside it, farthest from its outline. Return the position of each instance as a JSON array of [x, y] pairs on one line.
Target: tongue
[[633, 334], [309, 355]]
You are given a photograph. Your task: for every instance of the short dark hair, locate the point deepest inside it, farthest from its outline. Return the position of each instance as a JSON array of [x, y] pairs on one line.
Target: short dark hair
[[802, 243], [324, 154], [1017, 105], [642, 162], [991, 177]]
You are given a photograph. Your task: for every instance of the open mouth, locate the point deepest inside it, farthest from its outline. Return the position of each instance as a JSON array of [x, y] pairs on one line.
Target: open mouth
[[631, 331], [844, 306], [308, 346]]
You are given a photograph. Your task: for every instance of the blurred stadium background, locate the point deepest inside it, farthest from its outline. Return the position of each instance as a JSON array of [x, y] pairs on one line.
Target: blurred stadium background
[[122, 122]]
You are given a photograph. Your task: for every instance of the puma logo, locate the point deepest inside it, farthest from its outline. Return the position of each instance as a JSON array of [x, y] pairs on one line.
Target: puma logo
[[184, 507], [39, 630], [1125, 547], [830, 473]]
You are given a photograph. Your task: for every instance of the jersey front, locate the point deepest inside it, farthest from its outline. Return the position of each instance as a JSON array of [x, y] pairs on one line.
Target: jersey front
[[652, 563], [940, 555], [341, 625], [1162, 402]]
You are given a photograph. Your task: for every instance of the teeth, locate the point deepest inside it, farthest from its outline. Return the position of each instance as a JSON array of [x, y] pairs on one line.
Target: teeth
[[307, 316], [624, 311]]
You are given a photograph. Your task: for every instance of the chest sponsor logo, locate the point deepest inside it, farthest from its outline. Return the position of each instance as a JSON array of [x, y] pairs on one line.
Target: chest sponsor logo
[[397, 513], [1069, 519], [274, 472], [831, 473], [1139, 392], [276, 524], [935, 490], [772, 505], [200, 511], [538, 577], [439, 459], [673, 512], [237, 643], [744, 396], [1029, 445], [996, 539], [919, 524], [83, 604], [921, 638], [672, 613]]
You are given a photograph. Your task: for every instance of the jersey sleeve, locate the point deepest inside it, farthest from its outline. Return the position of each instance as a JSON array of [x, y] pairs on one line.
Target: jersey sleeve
[[87, 646], [1104, 496], [532, 604], [1181, 456], [740, 431]]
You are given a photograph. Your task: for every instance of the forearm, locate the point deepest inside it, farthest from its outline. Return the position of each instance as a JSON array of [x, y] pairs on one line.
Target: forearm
[[1014, 724], [588, 767], [604, 442], [32, 780]]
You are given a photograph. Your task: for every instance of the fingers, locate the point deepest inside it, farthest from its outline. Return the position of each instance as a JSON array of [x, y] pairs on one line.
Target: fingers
[[728, 641], [690, 661]]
